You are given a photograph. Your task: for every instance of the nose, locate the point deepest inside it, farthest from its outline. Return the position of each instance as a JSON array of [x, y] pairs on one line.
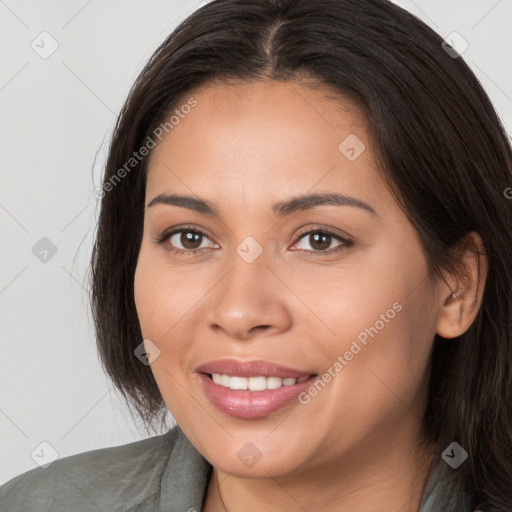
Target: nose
[[249, 300]]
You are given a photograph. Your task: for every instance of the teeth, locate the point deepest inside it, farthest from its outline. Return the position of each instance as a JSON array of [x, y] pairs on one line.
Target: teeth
[[274, 382], [238, 383], [259, 383]]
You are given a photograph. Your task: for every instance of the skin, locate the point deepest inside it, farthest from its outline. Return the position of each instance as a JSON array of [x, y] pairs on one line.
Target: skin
[[356, 445]]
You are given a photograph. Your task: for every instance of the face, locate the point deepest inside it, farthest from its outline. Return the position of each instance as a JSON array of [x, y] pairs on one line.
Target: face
[[339, 292]]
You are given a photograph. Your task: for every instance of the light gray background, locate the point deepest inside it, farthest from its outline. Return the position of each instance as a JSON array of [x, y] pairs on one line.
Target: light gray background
[[56, 116]]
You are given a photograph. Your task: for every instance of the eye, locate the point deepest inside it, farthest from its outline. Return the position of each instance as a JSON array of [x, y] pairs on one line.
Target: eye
[[320, 240], [191, 240], [187, 240]]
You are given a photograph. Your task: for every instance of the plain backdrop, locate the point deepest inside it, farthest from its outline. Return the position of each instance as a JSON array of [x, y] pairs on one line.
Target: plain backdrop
[[56, 114]]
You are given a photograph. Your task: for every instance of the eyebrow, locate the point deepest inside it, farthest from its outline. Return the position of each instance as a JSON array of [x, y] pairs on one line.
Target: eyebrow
[[281, 209]]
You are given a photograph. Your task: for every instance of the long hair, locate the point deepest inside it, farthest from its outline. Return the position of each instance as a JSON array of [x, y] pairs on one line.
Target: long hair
[[438, 142]]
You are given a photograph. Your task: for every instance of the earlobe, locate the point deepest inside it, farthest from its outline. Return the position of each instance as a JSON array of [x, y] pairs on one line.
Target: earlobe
[[462, 295], [451, 316]]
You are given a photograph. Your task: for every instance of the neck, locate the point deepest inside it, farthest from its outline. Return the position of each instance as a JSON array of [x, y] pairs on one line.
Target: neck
[[374, 482]]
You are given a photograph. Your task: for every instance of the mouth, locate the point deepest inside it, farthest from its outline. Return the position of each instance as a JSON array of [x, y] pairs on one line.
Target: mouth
[[252, 389]]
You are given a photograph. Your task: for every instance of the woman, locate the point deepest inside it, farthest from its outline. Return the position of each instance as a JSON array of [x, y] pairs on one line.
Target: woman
[[303, 254]]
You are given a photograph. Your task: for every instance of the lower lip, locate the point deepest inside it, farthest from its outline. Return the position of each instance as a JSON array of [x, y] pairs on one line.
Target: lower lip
[[251, 404]]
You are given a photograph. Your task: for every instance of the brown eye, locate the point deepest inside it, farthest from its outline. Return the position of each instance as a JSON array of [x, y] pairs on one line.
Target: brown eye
[[189, 239], [183, 240], [320, 241]]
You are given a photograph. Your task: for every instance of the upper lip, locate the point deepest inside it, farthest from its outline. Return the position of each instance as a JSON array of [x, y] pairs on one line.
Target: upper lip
[[253, 368]]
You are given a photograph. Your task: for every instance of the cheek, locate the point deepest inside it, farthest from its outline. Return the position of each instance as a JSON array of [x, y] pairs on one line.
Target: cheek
[[383, 334], [388, 374], [168, 300], [163, 295], [358, 300], [147, 302], [159, 309], [380, 384], [156, 307]]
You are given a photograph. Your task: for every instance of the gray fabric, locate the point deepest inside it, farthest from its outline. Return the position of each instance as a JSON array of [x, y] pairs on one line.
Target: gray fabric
[[442, 492], [161, 474]]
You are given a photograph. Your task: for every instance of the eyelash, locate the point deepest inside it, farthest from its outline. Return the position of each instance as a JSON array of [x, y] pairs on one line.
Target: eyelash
[[166, 235]]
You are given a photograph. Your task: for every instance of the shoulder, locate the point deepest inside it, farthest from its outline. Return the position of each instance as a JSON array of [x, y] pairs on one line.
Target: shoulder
[[99, 479]]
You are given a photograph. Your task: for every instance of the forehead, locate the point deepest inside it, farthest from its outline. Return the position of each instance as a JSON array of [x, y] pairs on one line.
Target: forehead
[[250, 140]]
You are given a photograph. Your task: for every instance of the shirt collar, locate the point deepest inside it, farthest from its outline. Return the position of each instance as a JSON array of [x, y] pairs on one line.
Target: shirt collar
[[185, 480]]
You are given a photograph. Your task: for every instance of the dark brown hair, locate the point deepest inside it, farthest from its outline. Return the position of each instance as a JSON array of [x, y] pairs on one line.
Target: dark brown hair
[[440, 147]]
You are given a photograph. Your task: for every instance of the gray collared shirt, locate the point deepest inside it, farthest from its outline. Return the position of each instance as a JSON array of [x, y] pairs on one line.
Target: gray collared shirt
[[162, 473]]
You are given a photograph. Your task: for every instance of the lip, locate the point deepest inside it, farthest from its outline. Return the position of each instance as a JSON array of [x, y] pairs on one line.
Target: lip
[[254, 368], [251, 404]]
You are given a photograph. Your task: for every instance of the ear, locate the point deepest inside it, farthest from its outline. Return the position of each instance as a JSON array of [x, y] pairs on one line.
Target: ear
[[457, 312]]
